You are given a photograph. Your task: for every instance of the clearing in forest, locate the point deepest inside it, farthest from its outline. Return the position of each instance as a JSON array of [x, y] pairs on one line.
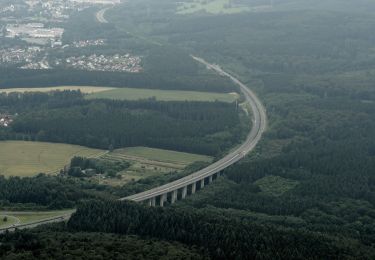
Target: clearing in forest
[[276, 185]]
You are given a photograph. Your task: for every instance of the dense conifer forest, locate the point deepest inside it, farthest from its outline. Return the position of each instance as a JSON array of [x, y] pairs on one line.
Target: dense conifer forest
[[225, 236], [199, 127], [60, 244]]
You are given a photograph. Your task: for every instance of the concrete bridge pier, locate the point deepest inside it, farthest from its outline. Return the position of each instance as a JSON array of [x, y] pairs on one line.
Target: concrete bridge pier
[[193, 187], [202, 183], [184, 192], [152, 202], [163, 198], [174, 196]]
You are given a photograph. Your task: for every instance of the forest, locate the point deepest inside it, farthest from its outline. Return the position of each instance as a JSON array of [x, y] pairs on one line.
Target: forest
[[224, 237], [48, 192], [66, 117], [60, 244]]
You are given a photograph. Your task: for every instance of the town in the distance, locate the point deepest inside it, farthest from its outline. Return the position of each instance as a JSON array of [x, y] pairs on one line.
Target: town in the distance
[[33, 30]]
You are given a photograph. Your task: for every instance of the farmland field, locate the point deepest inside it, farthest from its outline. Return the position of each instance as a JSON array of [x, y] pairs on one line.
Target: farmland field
[[163, 155], [84, 89], [19, 158], [163, 95]]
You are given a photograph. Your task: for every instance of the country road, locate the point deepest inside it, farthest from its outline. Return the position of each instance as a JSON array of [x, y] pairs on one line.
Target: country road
[[100, 15], [55, 219], [259, 126]]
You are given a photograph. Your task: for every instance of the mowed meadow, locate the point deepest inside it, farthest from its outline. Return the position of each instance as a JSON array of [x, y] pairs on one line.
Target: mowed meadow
[[20, 158], [163, 95], [163, 155]]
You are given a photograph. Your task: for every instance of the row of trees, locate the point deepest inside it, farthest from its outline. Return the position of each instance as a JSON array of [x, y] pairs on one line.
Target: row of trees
[[86, 167]]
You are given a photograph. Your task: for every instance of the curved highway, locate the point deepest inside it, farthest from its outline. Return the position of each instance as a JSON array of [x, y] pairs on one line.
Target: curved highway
[[259, 126]]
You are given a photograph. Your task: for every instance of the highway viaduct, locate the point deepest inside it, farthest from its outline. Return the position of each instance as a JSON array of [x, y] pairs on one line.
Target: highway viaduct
[[188, 185]]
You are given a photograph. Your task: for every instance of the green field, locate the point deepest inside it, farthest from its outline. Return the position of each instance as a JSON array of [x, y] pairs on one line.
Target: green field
[[147, 162], [19, 218], [84, 89], [19, 158], [10, 220], [211, 6], [163, 155], [163, 95]]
